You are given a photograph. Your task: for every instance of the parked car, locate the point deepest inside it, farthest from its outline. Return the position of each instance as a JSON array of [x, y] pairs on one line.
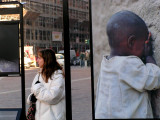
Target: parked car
[[27, 61], [75, 61], [61, 52], [60, 59], [72, 53]]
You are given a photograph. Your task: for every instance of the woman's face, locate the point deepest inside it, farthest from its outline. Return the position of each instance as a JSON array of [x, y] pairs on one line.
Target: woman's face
[[40, 61]]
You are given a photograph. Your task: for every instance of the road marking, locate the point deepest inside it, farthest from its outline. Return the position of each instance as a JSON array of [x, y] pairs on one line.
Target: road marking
[[31, 72], [7, 116], [82, 79], [12, 91], [1, 78]]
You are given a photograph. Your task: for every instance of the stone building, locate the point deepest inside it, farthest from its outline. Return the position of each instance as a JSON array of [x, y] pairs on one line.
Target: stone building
[[43, 24]]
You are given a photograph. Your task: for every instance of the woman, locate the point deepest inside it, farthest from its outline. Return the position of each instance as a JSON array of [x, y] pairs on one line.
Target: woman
[[50, 89]]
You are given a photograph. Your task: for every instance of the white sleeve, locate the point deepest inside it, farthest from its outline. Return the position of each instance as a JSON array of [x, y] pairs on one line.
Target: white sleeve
[[153, 81], [52, 95], [28, 99], [140, 76], [34, 81]]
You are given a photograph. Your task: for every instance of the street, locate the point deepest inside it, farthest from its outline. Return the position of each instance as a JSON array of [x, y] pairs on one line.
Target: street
[[10, 91], [81, 93]]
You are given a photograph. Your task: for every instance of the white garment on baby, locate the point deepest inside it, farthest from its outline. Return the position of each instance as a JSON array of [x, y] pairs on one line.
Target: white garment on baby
[[122, 88]]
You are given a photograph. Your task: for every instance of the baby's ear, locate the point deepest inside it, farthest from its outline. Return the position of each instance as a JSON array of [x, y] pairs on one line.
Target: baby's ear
[[131, 41]]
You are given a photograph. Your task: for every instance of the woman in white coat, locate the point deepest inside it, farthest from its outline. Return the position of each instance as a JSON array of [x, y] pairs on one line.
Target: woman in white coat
[[48, 88]]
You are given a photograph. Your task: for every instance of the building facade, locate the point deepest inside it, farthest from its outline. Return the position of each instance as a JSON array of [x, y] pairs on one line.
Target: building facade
[[43, 24]]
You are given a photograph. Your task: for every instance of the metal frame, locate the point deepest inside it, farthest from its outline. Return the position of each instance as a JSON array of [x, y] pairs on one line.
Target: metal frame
[[18, 10], [92, 67], [67, 60]]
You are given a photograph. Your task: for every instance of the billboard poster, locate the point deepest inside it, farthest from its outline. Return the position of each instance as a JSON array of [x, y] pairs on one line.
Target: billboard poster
[[9, 48]]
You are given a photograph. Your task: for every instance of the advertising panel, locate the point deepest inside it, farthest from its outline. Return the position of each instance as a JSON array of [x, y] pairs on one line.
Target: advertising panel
[[9, 48]]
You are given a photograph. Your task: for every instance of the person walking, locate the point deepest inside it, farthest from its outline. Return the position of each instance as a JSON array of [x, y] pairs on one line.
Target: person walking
[[48, 88], [82, 57], [88, 58]]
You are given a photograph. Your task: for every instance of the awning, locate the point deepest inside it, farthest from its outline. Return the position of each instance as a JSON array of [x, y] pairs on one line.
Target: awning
[[30, 14]]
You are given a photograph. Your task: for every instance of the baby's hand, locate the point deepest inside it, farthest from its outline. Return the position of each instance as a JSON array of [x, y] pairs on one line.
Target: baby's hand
[[148, 50]]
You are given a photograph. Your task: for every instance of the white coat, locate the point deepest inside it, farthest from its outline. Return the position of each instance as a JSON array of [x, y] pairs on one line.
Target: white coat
[[122, 89], [50, 104]]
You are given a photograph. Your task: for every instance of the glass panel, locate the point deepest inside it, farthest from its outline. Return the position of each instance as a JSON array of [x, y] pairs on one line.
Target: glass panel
[[46, 30], [10, 92], [80, 59], [10, 87], [43, 29]]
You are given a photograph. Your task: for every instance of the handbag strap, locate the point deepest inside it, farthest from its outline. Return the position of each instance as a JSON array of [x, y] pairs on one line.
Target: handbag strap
[[38, 77]]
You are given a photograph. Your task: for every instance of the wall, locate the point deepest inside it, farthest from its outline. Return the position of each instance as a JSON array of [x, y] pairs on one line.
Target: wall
[[102, 10]]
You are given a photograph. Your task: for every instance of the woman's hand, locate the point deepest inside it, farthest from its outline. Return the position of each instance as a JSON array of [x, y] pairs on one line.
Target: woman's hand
[[33, 98]]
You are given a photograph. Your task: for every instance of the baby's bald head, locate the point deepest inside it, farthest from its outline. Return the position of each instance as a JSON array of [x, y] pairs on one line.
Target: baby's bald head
[[122, 25]]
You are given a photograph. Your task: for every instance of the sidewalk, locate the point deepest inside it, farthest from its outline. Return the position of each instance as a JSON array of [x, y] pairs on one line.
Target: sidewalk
[[81, 93]]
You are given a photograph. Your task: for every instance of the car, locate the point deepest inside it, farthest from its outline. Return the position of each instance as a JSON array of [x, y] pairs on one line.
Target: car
[[75, 61], [60, 59], [72, 53], [61, 52], [27, 61]]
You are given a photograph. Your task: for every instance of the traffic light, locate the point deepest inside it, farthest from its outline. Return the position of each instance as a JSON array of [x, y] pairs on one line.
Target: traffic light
[[87, 41]]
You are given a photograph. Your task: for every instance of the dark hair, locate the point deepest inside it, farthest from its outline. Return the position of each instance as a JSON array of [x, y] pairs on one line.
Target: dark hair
[[50, 63], [123, 24]]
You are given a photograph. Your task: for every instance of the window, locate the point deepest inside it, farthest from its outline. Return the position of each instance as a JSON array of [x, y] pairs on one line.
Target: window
[[40, 34], [36, 34], [28, 33], [48, 35], [44, 35]]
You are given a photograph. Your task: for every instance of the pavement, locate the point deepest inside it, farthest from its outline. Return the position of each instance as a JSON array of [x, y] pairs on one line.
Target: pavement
[[10, 92], [81, 93]]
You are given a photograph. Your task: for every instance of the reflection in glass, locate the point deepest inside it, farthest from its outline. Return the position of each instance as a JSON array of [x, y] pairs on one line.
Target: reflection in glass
[[43, 28], [48, 88], [80, 59]]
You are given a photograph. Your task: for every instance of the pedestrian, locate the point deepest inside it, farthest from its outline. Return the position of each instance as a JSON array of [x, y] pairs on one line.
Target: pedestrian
[[124, 79], [82, 57], [77, 53], [48, 88], [88, 58]]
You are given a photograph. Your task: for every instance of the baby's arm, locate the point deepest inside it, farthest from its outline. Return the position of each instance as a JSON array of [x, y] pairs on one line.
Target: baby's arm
[[155, 94]]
